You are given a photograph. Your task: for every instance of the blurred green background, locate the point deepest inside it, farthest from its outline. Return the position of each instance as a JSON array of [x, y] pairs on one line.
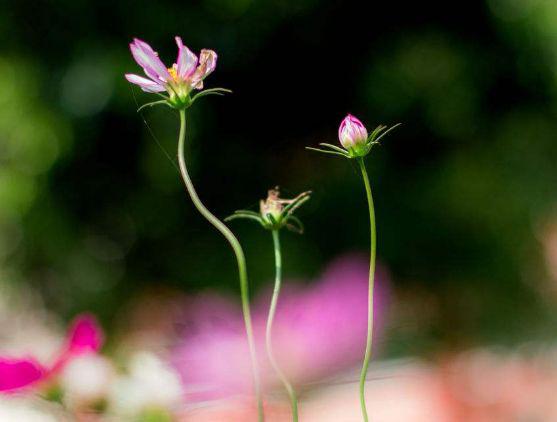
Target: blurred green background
[[92, 212]]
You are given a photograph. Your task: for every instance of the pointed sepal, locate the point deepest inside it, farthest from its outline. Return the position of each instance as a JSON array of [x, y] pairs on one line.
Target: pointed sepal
[[154, 103], [246, 215], [211, 91]]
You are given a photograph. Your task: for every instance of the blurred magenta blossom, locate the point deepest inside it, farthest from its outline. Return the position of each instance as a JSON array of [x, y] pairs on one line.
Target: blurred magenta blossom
[[84, 336], [179, 80], [320, 330]]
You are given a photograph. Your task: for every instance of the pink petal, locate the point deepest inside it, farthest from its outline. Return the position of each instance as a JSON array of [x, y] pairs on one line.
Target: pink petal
[[207, 64], [186, 61], [84, 335], [352, 131], [146, 85], [148, 59], [16, 374]]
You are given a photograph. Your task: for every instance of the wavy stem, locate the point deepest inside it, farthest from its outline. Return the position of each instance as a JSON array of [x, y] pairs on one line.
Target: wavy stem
[[269, 330], [240, 258], [367, 354]]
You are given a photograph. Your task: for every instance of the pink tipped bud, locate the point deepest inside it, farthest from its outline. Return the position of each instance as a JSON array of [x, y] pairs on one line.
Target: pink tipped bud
[[352, 133]]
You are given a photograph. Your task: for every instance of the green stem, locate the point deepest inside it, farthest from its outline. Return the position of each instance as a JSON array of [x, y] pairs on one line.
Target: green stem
[[367, 354], [269, 330], [240, 258]]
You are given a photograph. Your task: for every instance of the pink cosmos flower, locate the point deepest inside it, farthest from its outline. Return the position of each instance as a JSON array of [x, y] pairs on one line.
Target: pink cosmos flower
[[84, 336], [319, 330], [352, 133], [180, 79]]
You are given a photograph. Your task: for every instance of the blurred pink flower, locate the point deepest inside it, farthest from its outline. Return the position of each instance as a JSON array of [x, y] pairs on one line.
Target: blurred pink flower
[[322, 330], [84, 336], [212, 357], [179, 80], [319, 330]]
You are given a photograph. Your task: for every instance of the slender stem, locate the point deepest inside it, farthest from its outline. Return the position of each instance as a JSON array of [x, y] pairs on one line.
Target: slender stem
[[367, 354], [240, 258], [269, 330]]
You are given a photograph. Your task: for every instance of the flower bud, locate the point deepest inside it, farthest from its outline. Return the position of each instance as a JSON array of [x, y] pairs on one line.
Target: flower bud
[[352, 134]]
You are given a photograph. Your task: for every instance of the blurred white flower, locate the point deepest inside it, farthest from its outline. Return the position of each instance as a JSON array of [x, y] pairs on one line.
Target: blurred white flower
[[86, 379], [27, 410], [151, 384], [25, 324]]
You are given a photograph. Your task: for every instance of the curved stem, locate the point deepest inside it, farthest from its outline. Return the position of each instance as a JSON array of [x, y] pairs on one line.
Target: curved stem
[[367, 354], [240, 258], [269, 329]]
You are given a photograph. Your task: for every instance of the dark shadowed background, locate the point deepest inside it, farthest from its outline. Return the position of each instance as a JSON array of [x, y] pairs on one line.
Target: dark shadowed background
[[92, 212]]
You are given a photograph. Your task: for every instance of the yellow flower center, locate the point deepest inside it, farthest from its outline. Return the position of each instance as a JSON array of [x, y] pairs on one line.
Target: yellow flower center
[[173, 73]]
